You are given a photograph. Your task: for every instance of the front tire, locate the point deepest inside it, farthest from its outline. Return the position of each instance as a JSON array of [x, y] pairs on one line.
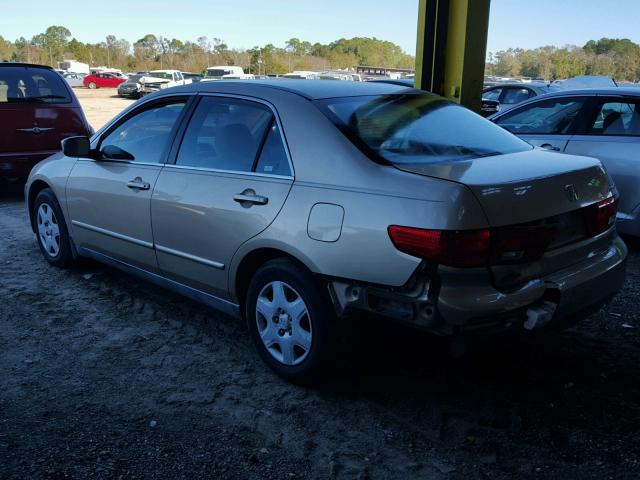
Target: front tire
[[291, 321], [51, 230], [92, 85]]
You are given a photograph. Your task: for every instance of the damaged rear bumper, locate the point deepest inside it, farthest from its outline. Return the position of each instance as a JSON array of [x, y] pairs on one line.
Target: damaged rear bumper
[[464, 301]]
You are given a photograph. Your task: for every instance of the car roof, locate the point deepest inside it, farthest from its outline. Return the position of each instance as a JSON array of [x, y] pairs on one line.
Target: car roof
[[596, 92], [21, 64], [519, 84], [310, 89]]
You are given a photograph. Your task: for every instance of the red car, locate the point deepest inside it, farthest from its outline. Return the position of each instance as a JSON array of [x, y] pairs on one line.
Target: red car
[[37, 110], [99, 80]]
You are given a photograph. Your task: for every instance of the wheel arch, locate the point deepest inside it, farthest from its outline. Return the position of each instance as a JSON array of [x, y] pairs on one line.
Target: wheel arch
[[34, 189], [250, 262]]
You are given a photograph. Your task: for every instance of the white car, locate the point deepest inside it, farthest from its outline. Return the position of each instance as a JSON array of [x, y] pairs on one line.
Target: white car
[[220, 72], [160, 79]]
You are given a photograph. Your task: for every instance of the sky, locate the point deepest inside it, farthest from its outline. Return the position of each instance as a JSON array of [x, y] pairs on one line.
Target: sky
[[247, 23]]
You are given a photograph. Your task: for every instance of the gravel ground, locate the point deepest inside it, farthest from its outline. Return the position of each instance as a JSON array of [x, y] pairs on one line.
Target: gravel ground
[[103, 376]]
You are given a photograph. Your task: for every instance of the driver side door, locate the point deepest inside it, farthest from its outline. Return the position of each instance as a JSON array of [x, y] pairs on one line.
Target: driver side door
[[109, 198]]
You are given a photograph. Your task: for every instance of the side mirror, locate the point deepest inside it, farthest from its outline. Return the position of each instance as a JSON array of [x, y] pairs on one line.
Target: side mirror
[[76, 147], [116, 153]]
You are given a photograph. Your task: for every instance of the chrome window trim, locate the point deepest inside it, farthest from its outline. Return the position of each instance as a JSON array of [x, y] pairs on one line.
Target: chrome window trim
[[247, 98], [122, 162], [232, 172], [188, 256], [110, 233]]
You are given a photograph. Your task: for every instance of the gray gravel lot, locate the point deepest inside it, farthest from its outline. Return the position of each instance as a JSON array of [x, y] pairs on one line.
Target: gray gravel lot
[[104, 376]]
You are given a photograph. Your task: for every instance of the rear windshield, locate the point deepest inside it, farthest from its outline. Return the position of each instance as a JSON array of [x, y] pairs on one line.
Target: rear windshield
[[216, 73], [415, 129], [32, 85]]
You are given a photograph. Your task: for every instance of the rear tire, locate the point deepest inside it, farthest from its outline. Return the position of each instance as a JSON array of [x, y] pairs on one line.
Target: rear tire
[[291, 321], [51, 230], [92, 85]]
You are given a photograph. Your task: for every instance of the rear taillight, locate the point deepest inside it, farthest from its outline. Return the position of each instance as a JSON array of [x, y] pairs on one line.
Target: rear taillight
[[600, 216], [520, 244], [457, 248], [473, 248]]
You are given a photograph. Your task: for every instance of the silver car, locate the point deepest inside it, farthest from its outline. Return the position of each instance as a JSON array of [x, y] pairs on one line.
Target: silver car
[[298, 204], [601, 123], [74, 79]]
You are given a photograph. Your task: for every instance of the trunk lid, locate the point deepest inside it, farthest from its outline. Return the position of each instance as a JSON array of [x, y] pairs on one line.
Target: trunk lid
[[525, 186]]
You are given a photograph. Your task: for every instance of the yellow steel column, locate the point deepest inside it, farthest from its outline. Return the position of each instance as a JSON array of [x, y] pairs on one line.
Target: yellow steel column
[[451, 48]]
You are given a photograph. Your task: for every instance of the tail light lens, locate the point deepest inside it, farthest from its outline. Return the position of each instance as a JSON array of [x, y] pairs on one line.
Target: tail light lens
[[600, 216], [473, 248], [457, 248]]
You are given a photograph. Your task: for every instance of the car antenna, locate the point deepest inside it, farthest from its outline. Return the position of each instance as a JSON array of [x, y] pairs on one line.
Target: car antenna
[[614, 81]]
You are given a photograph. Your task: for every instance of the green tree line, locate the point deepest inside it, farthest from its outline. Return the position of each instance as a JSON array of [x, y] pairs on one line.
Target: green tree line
[[617, 58], [155, 51]]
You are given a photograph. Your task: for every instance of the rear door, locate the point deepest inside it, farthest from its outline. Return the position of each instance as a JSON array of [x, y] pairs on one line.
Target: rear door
[[611, 133], [109, 199], [230, 179], [547, 123]]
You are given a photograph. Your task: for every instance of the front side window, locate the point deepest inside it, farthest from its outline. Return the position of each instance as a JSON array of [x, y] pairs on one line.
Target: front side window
[[553, 116], [32, 85], [617, 118], [229, 134], [143, 137], [412, 129]]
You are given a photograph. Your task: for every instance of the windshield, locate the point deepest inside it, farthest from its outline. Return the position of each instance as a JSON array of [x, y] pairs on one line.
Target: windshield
[[164, 75], [412, 129], [32, 85], [134, 78]]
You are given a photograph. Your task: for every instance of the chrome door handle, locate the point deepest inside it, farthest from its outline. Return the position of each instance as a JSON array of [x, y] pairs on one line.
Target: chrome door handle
[[255, 199], [138, 184], [548, 146]]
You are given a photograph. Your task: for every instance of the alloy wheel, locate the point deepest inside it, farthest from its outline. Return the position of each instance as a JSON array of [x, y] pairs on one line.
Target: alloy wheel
[[284, 323], [48, 230]]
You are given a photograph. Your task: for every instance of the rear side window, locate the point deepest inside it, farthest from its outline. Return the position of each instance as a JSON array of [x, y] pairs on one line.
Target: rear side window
[[553, 116], [233, 135], [418, 129], [617, 118], [493, 94], [516, 95], [32, 85]]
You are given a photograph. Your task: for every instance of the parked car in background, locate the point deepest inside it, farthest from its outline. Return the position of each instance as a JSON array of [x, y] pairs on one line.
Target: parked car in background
[[600, 123], [157, 80], [194, 77], [37, 110], [103, 80], [216, 73], [196, 189], [511, 94], [132, 87], [74, 79]]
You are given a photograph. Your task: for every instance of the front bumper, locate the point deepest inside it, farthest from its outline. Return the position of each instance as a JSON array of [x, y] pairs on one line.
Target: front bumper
[[464, 301]]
